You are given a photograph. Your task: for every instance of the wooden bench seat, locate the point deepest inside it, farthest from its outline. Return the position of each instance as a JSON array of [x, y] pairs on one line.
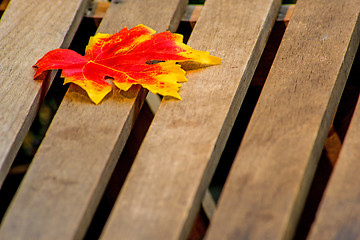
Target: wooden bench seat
[[268, 185]]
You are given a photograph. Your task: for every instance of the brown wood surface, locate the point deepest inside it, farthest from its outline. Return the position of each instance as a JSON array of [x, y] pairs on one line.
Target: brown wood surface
[[269, 180], [165, 186], [338, 216], [28, 29], [69, 173]]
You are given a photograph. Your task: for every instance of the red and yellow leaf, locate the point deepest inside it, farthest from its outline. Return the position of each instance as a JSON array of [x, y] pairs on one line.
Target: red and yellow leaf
[[127, 58]]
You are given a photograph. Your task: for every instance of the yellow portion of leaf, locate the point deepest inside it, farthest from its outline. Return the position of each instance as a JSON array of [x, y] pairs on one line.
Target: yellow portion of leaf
[[123, 85], [95, 91], [195, 55], [200, 56], [166, 84], [96, 39]]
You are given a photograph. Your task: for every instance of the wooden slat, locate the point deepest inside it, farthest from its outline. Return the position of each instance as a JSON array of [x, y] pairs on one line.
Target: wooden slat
[[28, 29], [175, 163], [271, 175], [338, 216], [69, 173]]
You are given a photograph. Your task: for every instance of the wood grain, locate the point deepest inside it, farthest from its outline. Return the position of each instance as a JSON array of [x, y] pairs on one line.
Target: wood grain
[[169, 177], [28, 29], [269, 180], [69, 173], [338, 216]]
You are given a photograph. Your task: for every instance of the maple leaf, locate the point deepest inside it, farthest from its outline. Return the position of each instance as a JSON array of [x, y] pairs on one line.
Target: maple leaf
[[132, 56]]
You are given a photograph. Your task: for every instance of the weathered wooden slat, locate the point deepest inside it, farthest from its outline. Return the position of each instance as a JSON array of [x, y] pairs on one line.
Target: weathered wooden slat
[[68, 175], [271, 175], [28, 29], [165, 186], [338, 216]]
